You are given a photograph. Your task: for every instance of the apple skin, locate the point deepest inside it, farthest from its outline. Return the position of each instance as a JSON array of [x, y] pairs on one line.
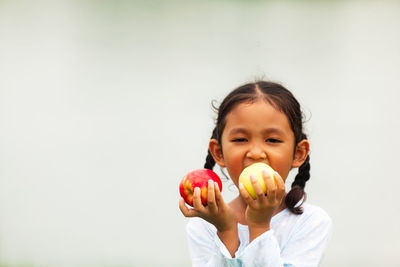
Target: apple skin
[[197, 178], [257, 170]]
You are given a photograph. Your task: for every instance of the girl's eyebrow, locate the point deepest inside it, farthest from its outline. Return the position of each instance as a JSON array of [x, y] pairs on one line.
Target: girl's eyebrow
[[265, 131], [238, 131], [273, 131]]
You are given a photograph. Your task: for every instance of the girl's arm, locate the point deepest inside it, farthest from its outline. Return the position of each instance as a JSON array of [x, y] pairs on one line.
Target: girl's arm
[[218, 213], [301, 245], [205, 247], [306, 241]]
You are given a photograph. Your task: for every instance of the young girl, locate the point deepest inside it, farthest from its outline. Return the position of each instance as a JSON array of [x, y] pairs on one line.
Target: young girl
[[258, 122]]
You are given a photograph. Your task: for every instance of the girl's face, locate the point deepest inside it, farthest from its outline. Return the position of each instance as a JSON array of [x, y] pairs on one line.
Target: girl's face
[[256, 132]]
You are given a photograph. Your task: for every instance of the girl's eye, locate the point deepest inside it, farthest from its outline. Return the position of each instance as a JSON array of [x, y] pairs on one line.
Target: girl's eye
[[238, 140], [273, 140]]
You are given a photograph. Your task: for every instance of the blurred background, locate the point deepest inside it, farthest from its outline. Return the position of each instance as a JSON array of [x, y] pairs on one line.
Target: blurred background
[[105, 105]]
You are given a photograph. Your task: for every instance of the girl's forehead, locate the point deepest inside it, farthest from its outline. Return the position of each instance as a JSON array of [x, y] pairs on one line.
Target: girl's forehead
[[259, 113]]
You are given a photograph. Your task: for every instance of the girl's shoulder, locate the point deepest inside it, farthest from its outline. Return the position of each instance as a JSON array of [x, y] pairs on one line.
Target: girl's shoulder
[[313, 211], [314, 221], [312, 217]]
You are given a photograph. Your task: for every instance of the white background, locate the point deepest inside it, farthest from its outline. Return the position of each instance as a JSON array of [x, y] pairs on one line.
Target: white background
[[105, 105]]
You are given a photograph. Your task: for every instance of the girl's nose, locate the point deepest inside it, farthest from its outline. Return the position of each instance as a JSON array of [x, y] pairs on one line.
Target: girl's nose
[[256, 153]]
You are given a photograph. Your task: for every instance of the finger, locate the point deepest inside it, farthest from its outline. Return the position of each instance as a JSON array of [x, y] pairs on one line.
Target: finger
[[260, 194], [197, 205], [245, 195], [211, 203], [185, 210], [270, 184], [218, 196], [280, 184]]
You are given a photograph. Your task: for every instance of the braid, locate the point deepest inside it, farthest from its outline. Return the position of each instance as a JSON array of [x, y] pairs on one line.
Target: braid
[[210, 162], [297, 192], [304, 174]]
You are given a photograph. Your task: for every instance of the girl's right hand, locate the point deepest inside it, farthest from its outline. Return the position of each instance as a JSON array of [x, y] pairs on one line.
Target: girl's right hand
[[217, 212], [259, 211]]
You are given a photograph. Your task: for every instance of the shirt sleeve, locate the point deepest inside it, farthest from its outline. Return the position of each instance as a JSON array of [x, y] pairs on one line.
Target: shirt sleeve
[[307, 241], [263, 251], [205, 247]]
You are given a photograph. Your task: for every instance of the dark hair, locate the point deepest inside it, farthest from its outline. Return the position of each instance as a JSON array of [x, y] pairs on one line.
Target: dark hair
[[283, 100]]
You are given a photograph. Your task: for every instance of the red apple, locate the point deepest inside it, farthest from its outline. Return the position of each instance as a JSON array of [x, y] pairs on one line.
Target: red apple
[[197, 178]]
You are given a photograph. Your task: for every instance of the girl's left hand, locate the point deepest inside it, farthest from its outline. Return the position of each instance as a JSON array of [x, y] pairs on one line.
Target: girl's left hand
[[259, 211], [217, 212]]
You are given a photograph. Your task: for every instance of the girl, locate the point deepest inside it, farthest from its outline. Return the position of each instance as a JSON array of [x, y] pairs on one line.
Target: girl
[[258, 122]]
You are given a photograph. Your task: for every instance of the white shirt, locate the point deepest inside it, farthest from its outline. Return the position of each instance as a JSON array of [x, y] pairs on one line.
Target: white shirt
[[294, 240]]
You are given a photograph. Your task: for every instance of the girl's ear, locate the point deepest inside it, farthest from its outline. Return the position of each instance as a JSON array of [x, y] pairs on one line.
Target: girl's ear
[[216, 152], [301, 153]]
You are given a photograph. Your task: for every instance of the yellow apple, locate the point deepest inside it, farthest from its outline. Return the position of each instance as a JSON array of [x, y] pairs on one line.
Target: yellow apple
[[255, 169]]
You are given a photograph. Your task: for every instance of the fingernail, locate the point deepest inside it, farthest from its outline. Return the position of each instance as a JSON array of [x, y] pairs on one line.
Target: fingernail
[[216, 185], [276, 173], [210, 182], [252, 178]]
